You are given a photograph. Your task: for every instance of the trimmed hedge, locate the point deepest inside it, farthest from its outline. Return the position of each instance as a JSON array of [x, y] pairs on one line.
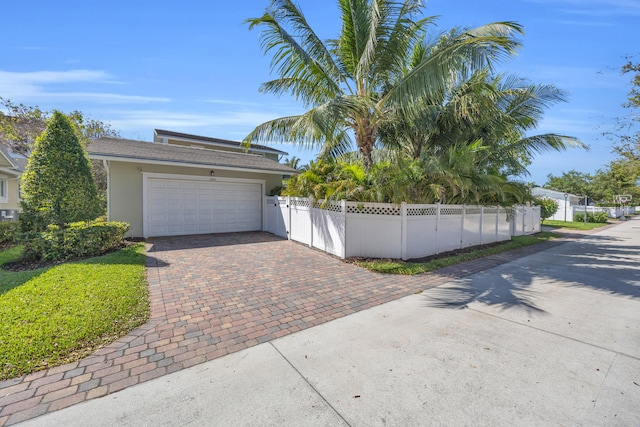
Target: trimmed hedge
[[78, 239], [595, 217], [9, 232]]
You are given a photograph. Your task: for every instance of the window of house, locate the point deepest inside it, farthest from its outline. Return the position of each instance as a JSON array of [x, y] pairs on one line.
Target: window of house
[[3, 191]]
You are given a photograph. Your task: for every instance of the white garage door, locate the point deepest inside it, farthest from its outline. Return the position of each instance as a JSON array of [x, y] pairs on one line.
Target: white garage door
[[176, 207]]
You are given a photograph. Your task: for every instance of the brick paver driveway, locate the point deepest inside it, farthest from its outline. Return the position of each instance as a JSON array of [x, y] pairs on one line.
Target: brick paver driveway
[[212, 295]]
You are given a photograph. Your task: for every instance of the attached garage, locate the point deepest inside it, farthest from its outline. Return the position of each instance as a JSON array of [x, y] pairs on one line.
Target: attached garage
[[167, 189], [181, 206]]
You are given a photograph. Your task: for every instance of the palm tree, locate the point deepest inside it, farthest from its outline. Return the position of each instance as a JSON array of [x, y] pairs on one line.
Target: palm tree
[[293, 162], [497, 110], [356, 83], [493, 114]]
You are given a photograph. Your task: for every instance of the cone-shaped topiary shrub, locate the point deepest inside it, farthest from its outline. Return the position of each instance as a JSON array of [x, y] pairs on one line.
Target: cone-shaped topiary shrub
[[57, 185]]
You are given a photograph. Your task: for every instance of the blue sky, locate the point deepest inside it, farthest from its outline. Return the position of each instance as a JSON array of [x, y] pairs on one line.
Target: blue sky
[[194, 67]]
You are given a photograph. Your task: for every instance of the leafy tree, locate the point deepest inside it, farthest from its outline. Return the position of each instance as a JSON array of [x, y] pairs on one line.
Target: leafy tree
[[629, 147], [626, 167], [22, 124], [600, 188], [622, 175], [57, 185], [548, 207], [356, 83], [633, 99], [572, 182]]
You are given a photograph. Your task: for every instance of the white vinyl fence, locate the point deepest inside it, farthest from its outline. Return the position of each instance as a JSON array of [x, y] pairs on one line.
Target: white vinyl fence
[[382, 230], [526, 220], [612, 211]]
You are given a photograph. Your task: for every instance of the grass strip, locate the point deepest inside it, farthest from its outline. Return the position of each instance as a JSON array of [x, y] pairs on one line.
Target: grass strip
[[9, 279], [411, 268], [574, 225], [62, 313]]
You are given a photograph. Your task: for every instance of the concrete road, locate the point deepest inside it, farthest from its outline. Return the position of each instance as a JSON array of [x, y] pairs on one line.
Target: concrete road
[[550, 339]]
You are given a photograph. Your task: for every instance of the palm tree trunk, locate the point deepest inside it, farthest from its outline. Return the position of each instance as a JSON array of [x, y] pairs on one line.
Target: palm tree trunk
[[366, 134]]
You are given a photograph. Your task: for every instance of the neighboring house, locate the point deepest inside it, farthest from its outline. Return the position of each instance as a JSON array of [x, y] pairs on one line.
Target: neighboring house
[[11, 168], [566, 202], [183, 184]]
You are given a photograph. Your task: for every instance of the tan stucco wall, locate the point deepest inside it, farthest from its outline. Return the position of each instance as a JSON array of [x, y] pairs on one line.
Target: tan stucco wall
[[13, 184], [125, 188], [272, 156]]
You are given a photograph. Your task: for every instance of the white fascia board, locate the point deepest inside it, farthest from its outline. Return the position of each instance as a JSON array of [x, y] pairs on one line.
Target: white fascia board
[[10, 171], [218, 144], [183, 164], [8, 158]]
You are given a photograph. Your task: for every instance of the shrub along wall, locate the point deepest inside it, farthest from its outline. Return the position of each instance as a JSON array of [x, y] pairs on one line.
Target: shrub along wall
[[597, 217], [78, 239], [9, 232]]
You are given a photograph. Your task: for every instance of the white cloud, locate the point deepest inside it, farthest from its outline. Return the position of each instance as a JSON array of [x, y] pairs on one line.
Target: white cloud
[[136, 119], [565, 125], [586, 23], [39, 85], [568, 77], [230, 102], [31, 47], [110, 98], [595, 8], [42, 77]]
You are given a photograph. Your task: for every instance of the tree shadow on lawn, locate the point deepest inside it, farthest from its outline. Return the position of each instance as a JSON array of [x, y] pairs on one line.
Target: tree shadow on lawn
[[20, 273], [12, 279]]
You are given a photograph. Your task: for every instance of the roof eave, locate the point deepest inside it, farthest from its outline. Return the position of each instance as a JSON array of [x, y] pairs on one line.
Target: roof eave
[[221, 143], [10, 171], [5, 155], [128, 159]]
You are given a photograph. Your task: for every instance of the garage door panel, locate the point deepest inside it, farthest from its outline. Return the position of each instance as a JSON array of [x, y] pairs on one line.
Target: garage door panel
[[178, 206]]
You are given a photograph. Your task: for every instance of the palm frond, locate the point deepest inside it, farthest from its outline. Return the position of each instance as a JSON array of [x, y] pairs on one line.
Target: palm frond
[[468, 52], [307, 64]]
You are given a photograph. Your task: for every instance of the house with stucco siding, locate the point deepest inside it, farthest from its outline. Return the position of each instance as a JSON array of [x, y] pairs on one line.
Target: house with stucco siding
[[180, 184], [11, 167]]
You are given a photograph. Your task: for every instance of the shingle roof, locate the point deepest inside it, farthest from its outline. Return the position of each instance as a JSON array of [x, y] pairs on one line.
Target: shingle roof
[[21, 163], [17, 162], [131, 151], [5, 153], [554, 194], [205, 139]]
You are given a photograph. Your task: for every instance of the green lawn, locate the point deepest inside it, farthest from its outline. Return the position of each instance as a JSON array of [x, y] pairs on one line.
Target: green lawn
[[573, 225], [55, 315], [411, 268]]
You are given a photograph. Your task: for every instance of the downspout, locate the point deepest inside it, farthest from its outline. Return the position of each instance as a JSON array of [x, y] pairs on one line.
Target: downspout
[[105, 164]]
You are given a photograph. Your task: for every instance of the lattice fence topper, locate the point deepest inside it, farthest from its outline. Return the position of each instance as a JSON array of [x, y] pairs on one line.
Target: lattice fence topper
[[491, 210], [422, 211], [373, 209], [328, 205], [301, 202], [449, 210], [475, 210]]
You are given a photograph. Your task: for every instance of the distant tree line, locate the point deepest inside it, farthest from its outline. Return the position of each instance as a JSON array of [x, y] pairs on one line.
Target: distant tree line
[[621, 176]]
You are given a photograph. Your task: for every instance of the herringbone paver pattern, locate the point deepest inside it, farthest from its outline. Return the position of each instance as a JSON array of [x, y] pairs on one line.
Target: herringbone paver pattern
[[211, 295]]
